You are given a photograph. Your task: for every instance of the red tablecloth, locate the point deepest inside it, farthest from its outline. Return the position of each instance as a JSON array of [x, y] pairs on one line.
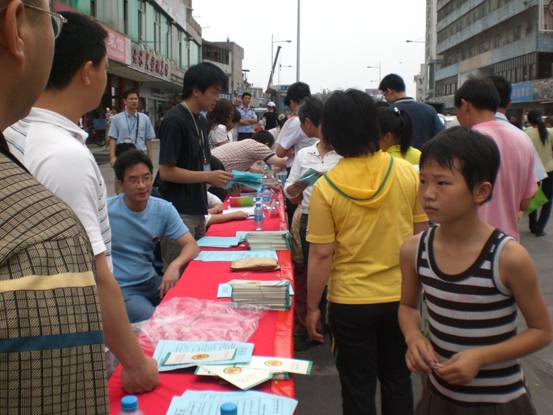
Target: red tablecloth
[[200, 280]]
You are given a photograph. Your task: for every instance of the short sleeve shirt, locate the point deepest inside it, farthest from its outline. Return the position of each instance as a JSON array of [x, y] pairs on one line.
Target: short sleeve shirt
[[136, 235], [184, 146], [240, 155], [136, 129], [292, 136], [247, 113]]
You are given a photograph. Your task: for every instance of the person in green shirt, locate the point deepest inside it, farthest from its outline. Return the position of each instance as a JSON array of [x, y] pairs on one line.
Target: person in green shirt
[[396, 134]]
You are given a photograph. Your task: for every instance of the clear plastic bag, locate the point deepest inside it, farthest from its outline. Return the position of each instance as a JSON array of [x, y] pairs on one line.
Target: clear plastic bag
[[184, 318]]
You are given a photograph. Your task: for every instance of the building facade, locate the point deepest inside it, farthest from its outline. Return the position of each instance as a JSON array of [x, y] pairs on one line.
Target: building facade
[[151, 44], [228, 56], [511, 38]]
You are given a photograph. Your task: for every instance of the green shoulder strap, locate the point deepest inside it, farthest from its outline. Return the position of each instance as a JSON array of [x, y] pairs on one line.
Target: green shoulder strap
[[331, 183]]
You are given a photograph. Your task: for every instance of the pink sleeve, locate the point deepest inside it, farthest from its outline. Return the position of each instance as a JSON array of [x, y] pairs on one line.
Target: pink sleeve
[[531, 183]]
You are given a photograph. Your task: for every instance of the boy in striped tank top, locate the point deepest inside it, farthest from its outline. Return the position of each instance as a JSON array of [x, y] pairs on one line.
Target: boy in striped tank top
[[473, 278]]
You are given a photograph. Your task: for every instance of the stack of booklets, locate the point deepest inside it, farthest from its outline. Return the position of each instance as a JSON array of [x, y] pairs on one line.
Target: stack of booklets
[[274, 295], [272, 240]]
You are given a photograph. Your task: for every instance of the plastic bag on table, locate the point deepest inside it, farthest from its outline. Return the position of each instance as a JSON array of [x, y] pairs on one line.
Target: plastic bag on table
[[184, 318]]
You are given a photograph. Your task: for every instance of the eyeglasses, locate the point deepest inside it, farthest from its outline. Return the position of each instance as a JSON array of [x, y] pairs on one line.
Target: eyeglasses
[[57, 19]]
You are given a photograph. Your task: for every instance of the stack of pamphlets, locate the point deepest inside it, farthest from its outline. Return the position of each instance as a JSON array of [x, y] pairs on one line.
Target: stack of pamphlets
[[248, 403], [263, 240], [274, 295]]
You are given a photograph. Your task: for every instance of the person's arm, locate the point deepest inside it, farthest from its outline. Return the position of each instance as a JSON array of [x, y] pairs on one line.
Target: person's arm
[[139, 372], [531, 182], [287, 137], [226, 217], [292, 188], [518, 274], [174, 174], [189, 250], [277, 161], [112, 144], [319, 265], [150, 149], [420, 354]]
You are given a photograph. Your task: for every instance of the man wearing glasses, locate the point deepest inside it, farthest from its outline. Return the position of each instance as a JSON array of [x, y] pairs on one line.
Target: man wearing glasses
[[53, 149], [51, 349]]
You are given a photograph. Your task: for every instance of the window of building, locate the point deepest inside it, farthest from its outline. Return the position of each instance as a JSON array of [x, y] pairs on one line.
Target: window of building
[[141, 35], [194, 53], [164, 36], [150, 26], [157, 30], [183, 50]]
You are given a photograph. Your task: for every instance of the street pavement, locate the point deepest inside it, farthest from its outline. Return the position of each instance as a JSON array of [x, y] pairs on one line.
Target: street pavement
[[319, 393]]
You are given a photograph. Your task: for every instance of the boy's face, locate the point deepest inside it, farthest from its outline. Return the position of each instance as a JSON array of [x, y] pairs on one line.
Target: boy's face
[[444, 194], [209, 98], [137, 183]]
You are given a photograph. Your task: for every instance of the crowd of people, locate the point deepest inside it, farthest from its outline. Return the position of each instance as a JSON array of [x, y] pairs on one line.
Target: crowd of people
[[407, 249]]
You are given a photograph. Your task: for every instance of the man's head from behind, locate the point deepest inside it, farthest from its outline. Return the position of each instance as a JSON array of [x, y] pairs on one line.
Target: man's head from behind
[[392, 87], [134, 173], [264, 137], [202, 84], [504, 89], [295, 95], [80, 61], [476, 101], [26, 52], [310, 113]]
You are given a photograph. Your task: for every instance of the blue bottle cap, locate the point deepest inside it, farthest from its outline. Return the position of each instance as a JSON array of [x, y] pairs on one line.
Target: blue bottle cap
[[229, 408], [129, 403]]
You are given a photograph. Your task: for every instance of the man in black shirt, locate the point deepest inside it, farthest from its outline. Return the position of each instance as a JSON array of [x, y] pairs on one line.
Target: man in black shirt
[[184, 156]]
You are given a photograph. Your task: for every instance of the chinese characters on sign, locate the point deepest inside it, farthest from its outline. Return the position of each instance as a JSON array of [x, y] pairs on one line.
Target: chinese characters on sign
[[149, 62]]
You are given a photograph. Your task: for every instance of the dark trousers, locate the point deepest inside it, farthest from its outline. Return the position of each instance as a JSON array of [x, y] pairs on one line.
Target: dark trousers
[[369, 345], [537, 225]]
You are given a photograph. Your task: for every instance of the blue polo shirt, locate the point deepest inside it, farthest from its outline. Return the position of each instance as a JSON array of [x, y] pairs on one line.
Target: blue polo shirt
[[135, 235], [247, 113], [135, 129]]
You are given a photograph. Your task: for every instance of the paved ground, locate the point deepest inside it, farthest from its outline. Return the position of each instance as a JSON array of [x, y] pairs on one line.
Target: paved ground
[[320, 392]]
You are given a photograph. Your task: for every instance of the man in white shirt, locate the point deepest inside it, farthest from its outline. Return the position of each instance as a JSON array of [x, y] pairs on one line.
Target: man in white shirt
[[52, 147], [291, 138]]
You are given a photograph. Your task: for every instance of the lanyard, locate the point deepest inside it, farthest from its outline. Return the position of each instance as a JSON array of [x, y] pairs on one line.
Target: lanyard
[[136, 124], [198, 131]]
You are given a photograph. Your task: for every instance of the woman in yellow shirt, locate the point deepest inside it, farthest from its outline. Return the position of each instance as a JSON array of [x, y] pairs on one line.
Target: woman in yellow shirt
[[543, 142], [360, 213], [396, 134]]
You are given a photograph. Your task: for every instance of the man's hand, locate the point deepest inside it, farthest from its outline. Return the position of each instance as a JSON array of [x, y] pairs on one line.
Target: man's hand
[[112, 161], [420, 355], [172, 275], [142, 378], [313, 324], [461, 368], [218, 178], [239, 215]]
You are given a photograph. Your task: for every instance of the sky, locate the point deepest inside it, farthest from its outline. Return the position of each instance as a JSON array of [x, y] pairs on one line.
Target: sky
[[339, 39]]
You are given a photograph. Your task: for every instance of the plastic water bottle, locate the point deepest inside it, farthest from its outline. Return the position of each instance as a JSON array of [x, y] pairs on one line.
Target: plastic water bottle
[[266, 195], [129, 406], [229, 408], [258, 215]]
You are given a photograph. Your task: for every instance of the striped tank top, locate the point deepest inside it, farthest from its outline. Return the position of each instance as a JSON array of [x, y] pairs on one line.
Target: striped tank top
[[469, 310]]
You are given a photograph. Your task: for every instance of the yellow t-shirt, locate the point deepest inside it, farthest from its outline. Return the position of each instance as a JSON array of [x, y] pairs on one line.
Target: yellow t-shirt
[[544, 151], [367, 206], [412, 155]]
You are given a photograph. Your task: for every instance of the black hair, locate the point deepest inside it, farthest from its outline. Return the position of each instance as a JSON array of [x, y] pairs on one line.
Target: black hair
[[220, 114], [398, 122], [131, 91], [312, 108], [202, 76], [503, 88], [481, 93], [81, 40], [350, 124], [236, 116], [297, 92], [476, 153], [264, 137], [128, 159], [535, 117], [392, 81], [246, 94]]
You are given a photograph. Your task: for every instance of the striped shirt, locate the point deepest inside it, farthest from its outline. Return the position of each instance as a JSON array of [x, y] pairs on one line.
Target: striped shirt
[[53, 149], [469, 310]]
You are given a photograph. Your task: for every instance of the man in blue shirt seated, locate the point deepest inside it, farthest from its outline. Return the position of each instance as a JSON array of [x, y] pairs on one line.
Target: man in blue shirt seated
[[138, 221]]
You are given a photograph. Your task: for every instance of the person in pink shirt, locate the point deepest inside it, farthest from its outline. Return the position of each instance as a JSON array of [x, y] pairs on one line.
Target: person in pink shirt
[[477, 101]]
